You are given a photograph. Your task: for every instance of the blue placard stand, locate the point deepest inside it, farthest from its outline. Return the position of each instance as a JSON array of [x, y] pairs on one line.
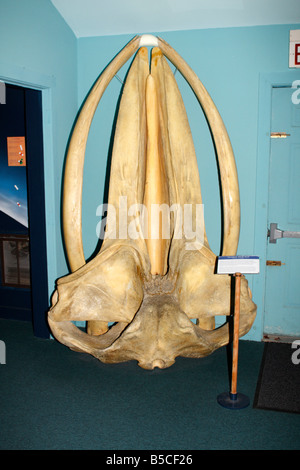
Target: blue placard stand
[[234, 265]]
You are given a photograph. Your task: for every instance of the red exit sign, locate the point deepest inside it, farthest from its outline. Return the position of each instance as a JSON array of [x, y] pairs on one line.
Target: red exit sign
[[297, 54]]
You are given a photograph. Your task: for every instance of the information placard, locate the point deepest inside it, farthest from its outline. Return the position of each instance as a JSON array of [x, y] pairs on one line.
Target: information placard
[[238, 264]]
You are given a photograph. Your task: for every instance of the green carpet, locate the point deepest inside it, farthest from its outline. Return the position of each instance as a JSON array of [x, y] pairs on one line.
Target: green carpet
[[54, 398]]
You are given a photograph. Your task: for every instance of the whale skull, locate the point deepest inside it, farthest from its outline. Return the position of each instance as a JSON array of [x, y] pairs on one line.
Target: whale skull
[[139, 295]]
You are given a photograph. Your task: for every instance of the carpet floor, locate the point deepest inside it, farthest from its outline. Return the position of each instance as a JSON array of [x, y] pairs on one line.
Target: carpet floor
[[279, 381], [54, 398]]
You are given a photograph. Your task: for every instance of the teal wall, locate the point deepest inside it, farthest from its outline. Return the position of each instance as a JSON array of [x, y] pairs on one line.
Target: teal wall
[[230, 63], [39, 50]]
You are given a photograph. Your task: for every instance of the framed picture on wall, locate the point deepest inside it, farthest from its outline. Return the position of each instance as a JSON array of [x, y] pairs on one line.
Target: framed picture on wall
[[15, 261]]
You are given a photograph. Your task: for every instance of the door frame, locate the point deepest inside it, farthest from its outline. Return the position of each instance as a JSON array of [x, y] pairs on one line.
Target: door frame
[[30, 79], [266, 82]]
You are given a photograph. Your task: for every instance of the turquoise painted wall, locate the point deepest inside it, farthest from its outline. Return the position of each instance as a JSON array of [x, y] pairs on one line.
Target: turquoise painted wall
[[229, 62], [38, 49]]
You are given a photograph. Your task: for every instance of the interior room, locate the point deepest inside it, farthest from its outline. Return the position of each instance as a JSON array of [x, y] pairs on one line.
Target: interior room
[[235, 67]]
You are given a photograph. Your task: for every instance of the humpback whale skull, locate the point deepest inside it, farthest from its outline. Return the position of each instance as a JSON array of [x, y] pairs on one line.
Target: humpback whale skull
[[140, 294]]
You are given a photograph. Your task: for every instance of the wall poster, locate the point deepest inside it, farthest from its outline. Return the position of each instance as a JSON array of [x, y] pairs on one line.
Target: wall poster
[[13, 180], [16, 154], [15, 261]]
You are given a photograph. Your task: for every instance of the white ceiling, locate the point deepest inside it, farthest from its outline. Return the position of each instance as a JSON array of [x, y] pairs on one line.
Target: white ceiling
[[110, 17]]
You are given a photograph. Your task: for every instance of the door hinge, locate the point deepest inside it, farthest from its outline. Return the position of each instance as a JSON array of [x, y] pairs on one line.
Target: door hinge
[[279, 135], [274, 263]]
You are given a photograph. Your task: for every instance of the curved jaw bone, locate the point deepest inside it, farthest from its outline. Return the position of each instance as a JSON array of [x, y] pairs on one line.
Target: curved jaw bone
[[150, 287], [160, 330]]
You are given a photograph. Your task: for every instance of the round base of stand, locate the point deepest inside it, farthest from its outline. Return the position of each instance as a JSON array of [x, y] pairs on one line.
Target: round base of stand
[[233, 401]]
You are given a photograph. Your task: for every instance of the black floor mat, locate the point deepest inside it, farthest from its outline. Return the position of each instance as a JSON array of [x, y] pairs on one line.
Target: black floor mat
[[278, 386]]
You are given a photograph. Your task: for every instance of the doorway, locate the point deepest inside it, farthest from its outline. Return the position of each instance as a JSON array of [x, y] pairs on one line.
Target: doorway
[[282, 293], [24, 284], [276, 288]]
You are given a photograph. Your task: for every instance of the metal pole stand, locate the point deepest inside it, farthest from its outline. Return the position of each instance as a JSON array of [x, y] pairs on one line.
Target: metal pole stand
[[233, 400]]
